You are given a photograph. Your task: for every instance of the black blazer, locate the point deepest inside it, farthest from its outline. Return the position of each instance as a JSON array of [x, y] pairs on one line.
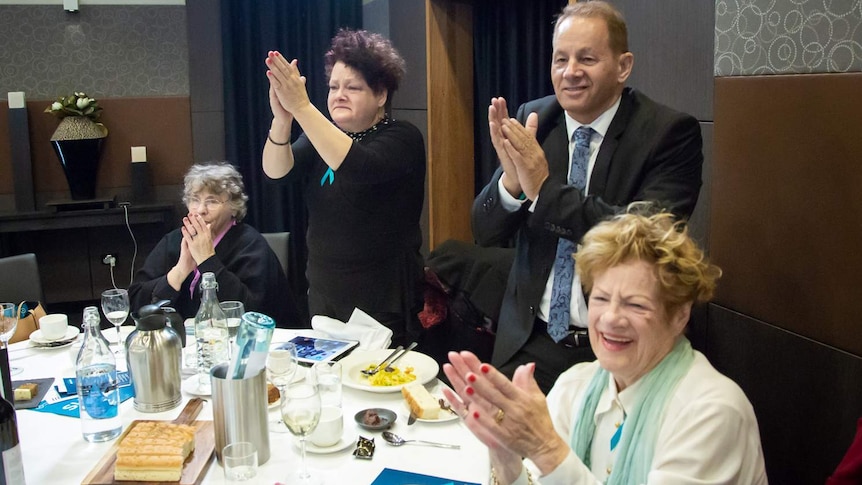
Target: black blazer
[[650, 152]]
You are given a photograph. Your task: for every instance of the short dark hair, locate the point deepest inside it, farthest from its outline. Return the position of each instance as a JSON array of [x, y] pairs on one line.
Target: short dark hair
[[618, 35], [372, 55]]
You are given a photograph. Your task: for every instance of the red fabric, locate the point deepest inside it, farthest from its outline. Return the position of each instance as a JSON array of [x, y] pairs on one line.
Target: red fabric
[[436, 299], [849, 471]]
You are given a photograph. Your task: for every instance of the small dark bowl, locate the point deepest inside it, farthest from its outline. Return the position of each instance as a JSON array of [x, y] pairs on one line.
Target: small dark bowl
[[387, 417]]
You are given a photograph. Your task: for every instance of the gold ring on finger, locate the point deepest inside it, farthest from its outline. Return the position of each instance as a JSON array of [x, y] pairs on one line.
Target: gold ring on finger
[[499, 416]]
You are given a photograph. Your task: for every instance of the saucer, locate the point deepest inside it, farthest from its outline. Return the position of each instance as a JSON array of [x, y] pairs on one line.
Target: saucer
[[192, 386], [71, 334], [343, 443]]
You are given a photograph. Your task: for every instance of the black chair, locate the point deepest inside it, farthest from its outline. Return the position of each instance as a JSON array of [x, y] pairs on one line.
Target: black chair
[[21, 279], [279, 241]]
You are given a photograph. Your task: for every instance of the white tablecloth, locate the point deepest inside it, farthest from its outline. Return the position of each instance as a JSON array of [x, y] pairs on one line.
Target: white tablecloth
[[54, 452]]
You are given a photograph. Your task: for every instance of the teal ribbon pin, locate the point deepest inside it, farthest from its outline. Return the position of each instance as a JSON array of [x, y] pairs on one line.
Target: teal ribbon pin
[[330, 174]]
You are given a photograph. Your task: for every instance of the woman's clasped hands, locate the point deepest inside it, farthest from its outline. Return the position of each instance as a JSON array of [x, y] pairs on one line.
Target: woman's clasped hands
[[287, 85], [510, 417]]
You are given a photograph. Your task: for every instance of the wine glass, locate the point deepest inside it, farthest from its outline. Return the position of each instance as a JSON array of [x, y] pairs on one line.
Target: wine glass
[[115, 306], [281, 366], [8, 324], [300, 410]]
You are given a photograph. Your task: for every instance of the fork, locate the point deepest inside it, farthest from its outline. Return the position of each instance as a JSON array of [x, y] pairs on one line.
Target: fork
[[410, 347], [385, 361]]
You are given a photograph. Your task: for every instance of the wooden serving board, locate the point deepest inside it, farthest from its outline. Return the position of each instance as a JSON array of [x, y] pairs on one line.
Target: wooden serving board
[[195, 467]]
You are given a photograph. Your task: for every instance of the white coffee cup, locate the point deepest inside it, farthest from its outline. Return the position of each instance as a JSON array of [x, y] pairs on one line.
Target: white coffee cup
[[53, 326], [330, 428]]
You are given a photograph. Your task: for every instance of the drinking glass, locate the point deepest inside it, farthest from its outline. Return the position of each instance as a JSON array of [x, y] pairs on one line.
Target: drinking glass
[[240, 462], [233, 311], [115, 306], [327, 377], [8, 324], [300, 410], [281, 366]]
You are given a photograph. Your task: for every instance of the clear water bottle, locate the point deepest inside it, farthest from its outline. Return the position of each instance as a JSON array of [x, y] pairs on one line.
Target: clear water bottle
[[211, 332], [98, 387]]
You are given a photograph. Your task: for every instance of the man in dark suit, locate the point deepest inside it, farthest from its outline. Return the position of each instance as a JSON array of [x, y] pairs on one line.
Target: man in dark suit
[[638, 150]]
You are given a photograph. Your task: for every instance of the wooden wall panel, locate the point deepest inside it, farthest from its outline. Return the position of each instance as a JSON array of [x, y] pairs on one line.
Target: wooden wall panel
[[162, 124], [449, 25], [806, 394], [786, 211]]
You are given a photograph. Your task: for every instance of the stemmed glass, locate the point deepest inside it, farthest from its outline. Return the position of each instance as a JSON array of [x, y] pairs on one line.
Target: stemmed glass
[[115, 306], [300, 410], [8, 324], [281, 365]]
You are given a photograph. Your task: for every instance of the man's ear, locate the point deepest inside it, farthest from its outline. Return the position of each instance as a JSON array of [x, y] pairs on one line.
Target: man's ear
[[626, 62]]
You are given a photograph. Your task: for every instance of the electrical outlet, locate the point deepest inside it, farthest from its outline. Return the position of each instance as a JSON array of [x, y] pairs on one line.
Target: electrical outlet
[[109, 259]]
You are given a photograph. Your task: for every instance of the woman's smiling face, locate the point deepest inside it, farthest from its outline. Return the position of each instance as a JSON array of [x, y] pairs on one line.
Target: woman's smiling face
[[631, 330]]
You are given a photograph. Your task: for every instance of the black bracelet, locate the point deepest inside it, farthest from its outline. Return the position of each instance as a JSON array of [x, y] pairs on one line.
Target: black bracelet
[[269, 137]]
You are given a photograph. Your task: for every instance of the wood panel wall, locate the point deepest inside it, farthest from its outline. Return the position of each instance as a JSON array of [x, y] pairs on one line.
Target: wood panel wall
[[786, 213], [449, 25], [162, 124]]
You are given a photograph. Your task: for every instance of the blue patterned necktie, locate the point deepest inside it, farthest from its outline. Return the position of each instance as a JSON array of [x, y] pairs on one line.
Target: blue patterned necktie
[[564, 264]]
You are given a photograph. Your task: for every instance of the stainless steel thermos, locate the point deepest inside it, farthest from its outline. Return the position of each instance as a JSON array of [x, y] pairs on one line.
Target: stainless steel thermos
[[154, 357]]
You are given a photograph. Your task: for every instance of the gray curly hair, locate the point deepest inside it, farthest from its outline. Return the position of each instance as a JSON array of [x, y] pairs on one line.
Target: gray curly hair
[[218, 178]]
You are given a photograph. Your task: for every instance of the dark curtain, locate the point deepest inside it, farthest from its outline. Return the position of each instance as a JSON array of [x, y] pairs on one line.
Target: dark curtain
[[298, 29], [512, 59]]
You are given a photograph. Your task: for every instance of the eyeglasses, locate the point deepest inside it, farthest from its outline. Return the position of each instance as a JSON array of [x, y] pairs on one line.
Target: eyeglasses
[[210, 203]]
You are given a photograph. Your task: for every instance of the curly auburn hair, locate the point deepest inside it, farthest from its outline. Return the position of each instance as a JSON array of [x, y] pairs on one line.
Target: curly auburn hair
[[218, 178], [684, 274], [371, 54]]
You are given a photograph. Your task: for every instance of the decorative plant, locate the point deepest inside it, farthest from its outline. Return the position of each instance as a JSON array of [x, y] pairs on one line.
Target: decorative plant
[[81, 106]]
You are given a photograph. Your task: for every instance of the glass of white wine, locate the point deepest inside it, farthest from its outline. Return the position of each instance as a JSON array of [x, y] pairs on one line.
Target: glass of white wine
[[8, 324], [300, 411], [281, 366], [115, 306]]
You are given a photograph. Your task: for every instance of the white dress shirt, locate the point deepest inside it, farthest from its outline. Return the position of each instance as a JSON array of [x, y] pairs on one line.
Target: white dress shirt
[[708, 434], [578, 310]]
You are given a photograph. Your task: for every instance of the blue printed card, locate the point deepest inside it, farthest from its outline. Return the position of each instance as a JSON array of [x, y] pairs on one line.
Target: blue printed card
[[65, 403], [398, 477]]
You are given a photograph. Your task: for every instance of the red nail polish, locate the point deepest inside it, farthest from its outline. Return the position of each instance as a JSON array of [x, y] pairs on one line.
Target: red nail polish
[[471, 377], [485, 368], [470, 391], [475, 414]]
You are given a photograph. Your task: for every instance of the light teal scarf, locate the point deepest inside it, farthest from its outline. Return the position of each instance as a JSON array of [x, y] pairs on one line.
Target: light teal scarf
[[637, 444]]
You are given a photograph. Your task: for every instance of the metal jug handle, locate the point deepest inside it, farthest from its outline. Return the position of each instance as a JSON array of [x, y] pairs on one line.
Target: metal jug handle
[[175, 320]]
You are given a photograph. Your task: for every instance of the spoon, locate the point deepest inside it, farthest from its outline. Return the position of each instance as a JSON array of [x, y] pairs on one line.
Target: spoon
[[395, 440], [410, 347]]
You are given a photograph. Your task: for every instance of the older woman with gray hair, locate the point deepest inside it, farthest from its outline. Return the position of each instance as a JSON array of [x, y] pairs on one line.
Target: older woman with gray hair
[[212, 238], [650, 410]]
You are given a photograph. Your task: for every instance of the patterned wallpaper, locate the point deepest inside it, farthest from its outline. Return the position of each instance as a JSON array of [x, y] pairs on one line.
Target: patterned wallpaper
[[755, 37], [105, 51]]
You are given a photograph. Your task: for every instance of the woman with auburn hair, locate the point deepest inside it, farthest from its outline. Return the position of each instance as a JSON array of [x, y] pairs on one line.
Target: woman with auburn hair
[[650, 409], [364, 179]]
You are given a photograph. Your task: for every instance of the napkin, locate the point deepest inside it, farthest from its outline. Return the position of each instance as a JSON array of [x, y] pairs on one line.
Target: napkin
[[361, 327]]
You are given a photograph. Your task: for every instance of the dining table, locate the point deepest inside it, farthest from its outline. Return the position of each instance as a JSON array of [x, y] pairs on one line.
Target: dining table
[[55, 452]]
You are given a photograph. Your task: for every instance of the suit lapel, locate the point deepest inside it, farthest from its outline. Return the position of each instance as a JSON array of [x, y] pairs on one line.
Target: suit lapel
[[601, 169], [556, 147]]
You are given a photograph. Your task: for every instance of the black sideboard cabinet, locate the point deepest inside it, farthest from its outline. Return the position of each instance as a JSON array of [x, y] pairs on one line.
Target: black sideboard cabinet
[[70, 246]]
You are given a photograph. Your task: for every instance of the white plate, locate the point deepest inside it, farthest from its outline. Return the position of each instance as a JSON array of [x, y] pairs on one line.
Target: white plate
[[443, 417], [344, 442], [191, 386], [425, 368], [71, 335]]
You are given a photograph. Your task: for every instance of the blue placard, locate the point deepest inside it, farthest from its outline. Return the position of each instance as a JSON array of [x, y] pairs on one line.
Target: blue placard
[[390, 476], [68, 405]]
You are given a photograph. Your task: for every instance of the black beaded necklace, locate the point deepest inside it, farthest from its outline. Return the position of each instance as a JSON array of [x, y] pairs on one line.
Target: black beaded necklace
[[358, 136]]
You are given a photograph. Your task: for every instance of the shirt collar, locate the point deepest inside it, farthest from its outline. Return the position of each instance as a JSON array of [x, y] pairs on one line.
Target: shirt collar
[[600, 124]]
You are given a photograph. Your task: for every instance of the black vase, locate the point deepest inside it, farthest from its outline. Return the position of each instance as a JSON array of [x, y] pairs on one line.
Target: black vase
[[80, 161]]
